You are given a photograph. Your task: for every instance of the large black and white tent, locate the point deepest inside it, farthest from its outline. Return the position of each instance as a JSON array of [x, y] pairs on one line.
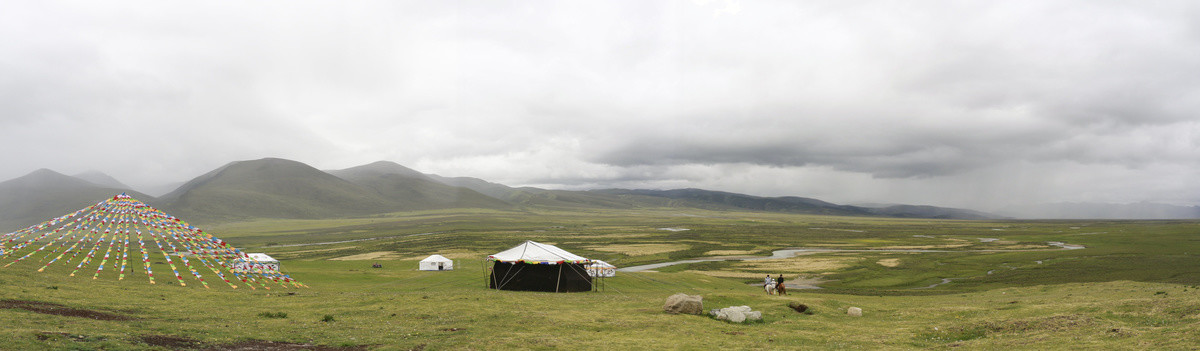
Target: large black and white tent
[[533, 266]]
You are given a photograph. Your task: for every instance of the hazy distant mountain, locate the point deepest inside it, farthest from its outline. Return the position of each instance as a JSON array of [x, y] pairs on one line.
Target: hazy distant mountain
[[407, 189], [719, 200], [101, 179], [278, 188], [914, 211], [495, 190], [161, 189], [270, 188], [1065, 210], [378, 168], [535, 197], [45, 194]]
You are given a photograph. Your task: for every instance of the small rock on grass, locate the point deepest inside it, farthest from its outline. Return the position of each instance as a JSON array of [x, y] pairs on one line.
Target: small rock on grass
[[684, 303]]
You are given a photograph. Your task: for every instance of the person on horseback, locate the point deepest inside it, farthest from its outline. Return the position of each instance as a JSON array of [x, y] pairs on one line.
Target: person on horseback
[[779, 287]]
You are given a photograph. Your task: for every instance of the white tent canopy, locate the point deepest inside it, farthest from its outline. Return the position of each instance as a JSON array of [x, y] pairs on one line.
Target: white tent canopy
[[534, 252], [262, 258], [256, 262], [601, 269], [436, 263]]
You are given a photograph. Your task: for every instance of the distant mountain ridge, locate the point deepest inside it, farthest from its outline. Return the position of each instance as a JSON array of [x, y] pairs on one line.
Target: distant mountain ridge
[[279, 188], [793, 204], [270, 188], [45, 194], [101, 179], [1076, 210], [407, 189]]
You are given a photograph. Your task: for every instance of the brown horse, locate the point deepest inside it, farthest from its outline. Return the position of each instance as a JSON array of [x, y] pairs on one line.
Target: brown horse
[[781, 289]]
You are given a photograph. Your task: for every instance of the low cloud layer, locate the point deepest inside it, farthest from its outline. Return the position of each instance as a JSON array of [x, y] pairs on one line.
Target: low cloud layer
[[979, 104]]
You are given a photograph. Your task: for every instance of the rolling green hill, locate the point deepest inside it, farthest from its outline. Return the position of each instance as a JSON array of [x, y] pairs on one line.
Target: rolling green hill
[[101, 179], [45, 194], [541, 198], [406, 189], [719, 200], [695, 198], [278, 188], [270, 188]]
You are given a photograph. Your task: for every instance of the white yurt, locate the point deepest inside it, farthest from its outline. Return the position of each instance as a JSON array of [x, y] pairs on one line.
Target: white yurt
[[436, 263], [602, 269]]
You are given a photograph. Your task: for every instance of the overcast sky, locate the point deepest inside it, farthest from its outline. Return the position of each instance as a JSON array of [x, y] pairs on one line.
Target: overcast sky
[[977, 104]]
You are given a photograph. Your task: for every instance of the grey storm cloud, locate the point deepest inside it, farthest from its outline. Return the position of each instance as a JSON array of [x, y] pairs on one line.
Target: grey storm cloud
[[940, 103]]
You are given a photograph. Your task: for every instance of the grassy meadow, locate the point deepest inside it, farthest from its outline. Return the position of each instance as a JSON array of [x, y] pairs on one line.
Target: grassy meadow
[[978, 284]]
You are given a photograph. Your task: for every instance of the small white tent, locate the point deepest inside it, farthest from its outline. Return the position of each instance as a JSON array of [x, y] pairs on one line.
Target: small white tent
[[257, 263], [436, 263], [601, 269]]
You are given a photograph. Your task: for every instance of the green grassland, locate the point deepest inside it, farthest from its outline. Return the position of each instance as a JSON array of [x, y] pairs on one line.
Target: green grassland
[[1135, 286]]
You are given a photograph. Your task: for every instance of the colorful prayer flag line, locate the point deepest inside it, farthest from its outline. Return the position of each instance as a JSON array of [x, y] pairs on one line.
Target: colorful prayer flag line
[[102, 233]]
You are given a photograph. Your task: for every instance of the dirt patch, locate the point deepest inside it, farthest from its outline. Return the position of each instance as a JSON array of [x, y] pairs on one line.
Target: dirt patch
[[1024, 247], [261, 345], [923, 247], [60, 310], [452, 254], [317, 251], [799, 307], [729, 274], [728, 252], [797, 264], [43, 336], [889, 262], [619, 236], [641, 249], [171, 342], [378, 255], [1057, 323]]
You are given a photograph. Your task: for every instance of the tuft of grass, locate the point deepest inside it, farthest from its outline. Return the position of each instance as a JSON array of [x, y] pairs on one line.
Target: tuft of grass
[[273, 314], [327, 318]]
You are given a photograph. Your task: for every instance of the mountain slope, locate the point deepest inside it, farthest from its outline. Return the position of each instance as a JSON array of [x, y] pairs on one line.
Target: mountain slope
[[914, 211], [543, 198], [45, 194], [719, 200], [271, 188], [277, 188], [1141, 210], [101, 179], [407, 189]]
